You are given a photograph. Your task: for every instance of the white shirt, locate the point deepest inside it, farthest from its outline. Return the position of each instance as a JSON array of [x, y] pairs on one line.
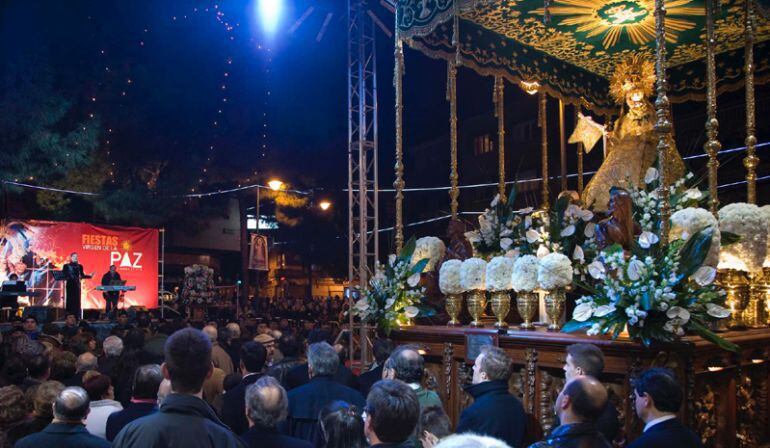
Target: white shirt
[[96, 422], [654, 422]]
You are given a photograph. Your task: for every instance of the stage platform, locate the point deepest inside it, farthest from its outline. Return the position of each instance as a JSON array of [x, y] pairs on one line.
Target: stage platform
[[726, 394]]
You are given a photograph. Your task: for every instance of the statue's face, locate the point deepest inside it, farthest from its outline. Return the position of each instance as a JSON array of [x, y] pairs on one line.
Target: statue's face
[[634, 98]]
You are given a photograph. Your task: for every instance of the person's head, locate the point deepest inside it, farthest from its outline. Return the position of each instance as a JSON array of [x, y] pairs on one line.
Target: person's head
[[231, 381], [392, 411], [234, 329], [147, 380], [322, 360], [45, 395], [13, 277], [187, 360], [71, 406], [492, 364], [98, 386], [268, 342], [471, 441], [583, 359], [656, 393], [405, 364], [113, 269], [71, 320], [113, 346], [63, 366], [164, 390], [134, 339], [289, 345], [342, 426], [266, 403], [13, 405], [74, 257], [582, 400], [253, 357], [38, 367], [87, 362], [382, 348], [211, 332], [122, 318], [433, 426], [30, 324]]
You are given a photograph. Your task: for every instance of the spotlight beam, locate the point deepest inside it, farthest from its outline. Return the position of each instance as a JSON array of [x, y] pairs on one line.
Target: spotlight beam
[[302, 18], [325, 25]]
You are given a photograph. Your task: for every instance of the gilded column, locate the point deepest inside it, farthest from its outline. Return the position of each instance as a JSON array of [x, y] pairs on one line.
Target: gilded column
[[579, 158], [751, 161], [451, 96], [663, 123], [398, 184], [499, 99], [543, 122], [712, 145], [562, 149]]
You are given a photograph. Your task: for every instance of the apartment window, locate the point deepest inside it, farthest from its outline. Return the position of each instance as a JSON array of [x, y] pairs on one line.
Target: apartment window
[[482, 144]]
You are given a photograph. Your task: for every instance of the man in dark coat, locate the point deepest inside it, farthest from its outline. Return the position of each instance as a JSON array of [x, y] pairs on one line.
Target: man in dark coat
[[252, 360], [67, 430], [290, 347], [143, 402], [495, 411], [657, 399], [382, 348], [306, 402], [184, 419], [111, 278], [266, 405], [391, 414], [579, 405]]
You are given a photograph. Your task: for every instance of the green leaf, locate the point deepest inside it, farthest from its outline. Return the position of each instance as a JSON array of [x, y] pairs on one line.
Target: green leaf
[[574, 325], [512, 196], [694, 252], [419, 266], [426, 311], [712, 337], [728, 238], [646, 301], [408, 249]]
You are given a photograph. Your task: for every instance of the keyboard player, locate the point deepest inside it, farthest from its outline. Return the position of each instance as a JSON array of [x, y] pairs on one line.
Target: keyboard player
[[111, 278]]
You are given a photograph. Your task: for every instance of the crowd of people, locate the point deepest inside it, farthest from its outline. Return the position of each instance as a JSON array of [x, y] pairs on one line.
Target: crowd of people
[[264, 385]]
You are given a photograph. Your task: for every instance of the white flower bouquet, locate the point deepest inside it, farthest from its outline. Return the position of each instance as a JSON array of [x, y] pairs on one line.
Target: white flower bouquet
[[394, 295], [430, 248], [554, 271], [765, 209], [501, 229], [524, 276], [473, 274], [449, 277], [499, 272], [747, 222]]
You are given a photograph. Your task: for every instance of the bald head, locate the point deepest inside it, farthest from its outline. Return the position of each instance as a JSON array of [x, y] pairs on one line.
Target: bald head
[[235, 330], [211, 332], [406, 364], [86, 362], [583, 399], [266, 402], [71, 405]]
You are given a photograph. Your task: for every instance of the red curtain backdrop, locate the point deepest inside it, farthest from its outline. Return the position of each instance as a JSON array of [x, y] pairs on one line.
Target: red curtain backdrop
[[33, 248]]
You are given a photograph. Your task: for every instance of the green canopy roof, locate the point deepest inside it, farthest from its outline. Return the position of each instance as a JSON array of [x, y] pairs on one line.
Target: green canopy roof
[[574, 55]]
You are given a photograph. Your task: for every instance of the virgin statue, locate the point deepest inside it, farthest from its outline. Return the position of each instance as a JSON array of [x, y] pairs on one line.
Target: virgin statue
[[632, 145]]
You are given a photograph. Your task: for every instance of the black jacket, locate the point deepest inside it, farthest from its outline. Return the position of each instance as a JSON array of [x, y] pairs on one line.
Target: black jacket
[[259, 437], [306, 402], [298, 376], [234, 405], [669, 434], [61, 435], [366, 380], [182, 421], [577, 435], [495, 413], [407, 444], [134, 411], [608, 424], [281, 369]]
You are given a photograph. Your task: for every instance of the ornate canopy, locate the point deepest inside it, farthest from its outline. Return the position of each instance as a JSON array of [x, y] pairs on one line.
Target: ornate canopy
[[575, 53]]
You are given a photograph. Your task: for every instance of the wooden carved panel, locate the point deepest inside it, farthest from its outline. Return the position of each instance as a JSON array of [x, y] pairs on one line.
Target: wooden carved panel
[[447, 362], [550, 386], [464, 378], [531, 366], [432, 380], [752, 395], [705, 415], [516, 383]]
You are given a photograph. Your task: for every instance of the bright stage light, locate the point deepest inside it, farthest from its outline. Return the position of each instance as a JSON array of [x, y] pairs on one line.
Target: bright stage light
[[275, 185], [270, 14], [325, 205]]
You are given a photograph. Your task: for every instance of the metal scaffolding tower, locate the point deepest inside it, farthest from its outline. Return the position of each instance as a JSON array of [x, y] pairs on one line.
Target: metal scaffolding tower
[[363, 238]]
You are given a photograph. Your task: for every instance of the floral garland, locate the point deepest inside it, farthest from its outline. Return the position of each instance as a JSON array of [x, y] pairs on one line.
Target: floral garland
[[394, 295], [656, 293], [198, 286]]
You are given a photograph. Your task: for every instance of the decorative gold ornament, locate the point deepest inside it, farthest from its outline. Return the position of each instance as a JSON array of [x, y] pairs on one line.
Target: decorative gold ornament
[[663, 123], [751, 161], [531, 87], [454, 305], [587, 132], [526, 303], [636, 73], [736, 285], [554, 307], [712, 145], [398, 184], [499, 99], [754, 316], [451, 97], [501, 306], [477, 303], [543, 122]]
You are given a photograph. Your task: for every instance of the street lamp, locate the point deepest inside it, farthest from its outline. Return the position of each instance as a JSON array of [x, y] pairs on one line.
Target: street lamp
[[325, 205], [275, 185]]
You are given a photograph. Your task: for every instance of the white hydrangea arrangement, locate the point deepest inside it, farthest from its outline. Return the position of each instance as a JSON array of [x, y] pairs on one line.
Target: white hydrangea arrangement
[[765, 209], [430, 248], [554, 271], [499, 272], [524, 276], [473, 274], [747, 222], [449, 277], [658, 292], [394, 295], [690, 221]]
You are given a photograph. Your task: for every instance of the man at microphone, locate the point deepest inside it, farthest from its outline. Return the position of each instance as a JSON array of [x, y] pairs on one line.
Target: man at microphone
[[111, 278], [73, 273]]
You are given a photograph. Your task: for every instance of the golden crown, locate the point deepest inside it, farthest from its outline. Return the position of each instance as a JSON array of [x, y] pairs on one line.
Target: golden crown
[[635, 72]]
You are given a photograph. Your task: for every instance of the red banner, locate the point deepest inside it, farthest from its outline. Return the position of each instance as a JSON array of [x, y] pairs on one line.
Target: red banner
[[33, 249]]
